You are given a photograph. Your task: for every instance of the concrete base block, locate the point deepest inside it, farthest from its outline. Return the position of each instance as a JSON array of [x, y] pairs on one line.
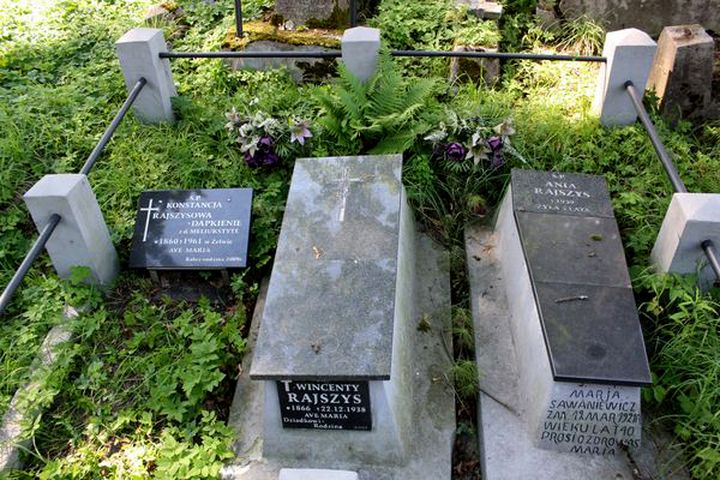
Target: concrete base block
[[431, 408], [360, 49], [138, 51], [629, 54], [682, 72], [311, 474], [81, 238], [691, 219]]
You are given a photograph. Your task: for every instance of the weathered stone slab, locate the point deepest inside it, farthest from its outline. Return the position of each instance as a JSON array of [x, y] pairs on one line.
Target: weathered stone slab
[[575, 250], [301, 69], [508, 443], [314, 474], [682, 72], [314, 13], [593, 334], [483, 9], [331, 302], [648, 15]]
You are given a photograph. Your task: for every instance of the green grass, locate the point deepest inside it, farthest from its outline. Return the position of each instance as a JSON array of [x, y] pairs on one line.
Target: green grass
[[143, 391]]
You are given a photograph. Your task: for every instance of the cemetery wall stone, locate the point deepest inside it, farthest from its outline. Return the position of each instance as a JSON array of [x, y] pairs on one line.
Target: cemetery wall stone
[[647, 15]]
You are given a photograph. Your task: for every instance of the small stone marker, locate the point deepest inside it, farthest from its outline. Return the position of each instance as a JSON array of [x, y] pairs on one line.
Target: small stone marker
[[573, 320], [192, 229], [682, 73]]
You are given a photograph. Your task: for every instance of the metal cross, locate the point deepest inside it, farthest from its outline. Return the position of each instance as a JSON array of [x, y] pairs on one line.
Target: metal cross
[[344, 187], [149, 209]]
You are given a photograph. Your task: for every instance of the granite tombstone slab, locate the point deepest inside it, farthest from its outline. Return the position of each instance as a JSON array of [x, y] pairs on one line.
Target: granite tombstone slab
[[577, 266], [192, 229]]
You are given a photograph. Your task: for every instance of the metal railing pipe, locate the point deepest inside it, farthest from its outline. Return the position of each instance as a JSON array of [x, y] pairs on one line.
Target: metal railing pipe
[[353, 13], [238, 19], [500, 55], [27, 262], [231, 54], [712, 255], [667, 162], [395, 53], [97, 151]]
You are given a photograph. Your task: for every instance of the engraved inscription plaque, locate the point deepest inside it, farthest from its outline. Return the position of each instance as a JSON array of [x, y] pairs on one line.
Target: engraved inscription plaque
[[192, 229], [325, 405]]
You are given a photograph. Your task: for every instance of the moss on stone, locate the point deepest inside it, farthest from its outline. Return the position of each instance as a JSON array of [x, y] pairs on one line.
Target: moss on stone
[[258, 31]]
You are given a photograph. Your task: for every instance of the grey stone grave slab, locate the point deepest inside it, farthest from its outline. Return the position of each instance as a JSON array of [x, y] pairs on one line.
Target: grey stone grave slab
[[571, 249], [192, 229], [337, 314], [330, 308]]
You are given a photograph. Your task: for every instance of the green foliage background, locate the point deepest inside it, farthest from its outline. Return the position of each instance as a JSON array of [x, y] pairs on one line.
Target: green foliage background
[[136, 395]]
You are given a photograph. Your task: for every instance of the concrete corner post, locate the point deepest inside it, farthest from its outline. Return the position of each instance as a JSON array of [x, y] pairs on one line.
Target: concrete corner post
[[629, 54], [139, 54], [360, 50], [682, 72], [81, 238], [691, 219]]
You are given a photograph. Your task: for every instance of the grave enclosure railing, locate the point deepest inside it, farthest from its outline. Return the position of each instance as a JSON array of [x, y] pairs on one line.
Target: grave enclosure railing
[[678, 185], [55, 219], [47, 231]]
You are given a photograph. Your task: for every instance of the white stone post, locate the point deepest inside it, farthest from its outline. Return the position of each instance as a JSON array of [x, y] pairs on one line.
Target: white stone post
[[360, 50], [629, 54], [691, 219], [139, 54], [81, 238]]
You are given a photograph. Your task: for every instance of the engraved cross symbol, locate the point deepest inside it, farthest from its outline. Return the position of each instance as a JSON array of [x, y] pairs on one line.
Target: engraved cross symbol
[[149, 209], [344, 190]]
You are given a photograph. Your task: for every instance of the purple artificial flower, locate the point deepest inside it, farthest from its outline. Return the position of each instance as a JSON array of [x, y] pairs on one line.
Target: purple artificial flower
[[495, 144], [264, 156], [455, 151]]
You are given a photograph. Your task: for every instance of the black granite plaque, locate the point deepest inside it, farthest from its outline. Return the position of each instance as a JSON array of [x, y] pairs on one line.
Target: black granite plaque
[[579, 275], [192, 229], [325, 405], [567, 249], [593, 334], [561, 193]]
